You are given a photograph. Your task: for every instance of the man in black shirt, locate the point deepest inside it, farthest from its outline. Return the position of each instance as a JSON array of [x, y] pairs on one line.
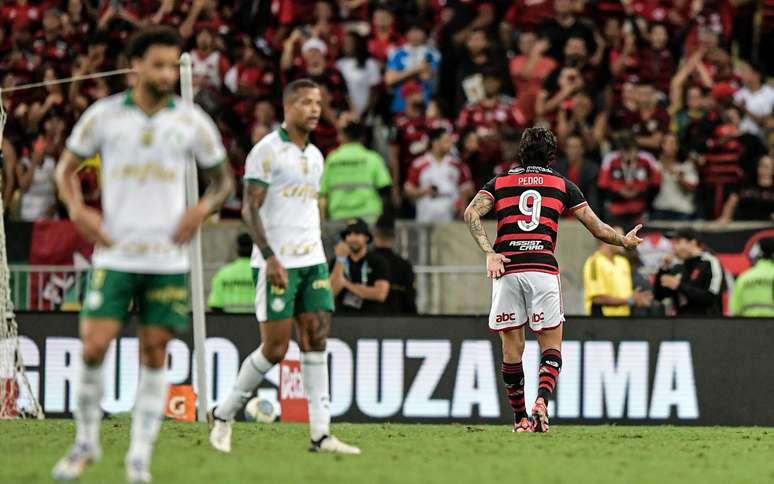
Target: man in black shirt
[[696, 286], [402, 296], [562, 26], [359, 278]]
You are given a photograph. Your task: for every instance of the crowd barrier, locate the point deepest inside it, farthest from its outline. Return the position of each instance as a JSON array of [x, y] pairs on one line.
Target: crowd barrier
[[449, 266], [447, 369]]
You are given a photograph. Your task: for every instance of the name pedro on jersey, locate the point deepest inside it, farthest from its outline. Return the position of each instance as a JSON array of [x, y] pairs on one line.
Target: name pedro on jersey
[[530, 180]]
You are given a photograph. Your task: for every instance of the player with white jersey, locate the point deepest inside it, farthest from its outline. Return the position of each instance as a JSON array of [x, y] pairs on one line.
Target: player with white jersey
[[144, 137], [529, 200], [282, 181]]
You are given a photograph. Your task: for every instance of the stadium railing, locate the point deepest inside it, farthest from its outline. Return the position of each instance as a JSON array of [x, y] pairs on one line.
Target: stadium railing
[[448, 265], [61, 288], [47, 287]]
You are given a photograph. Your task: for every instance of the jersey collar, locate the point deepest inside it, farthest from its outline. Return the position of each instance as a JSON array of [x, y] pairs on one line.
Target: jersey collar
[[129, 99], [284, 136]]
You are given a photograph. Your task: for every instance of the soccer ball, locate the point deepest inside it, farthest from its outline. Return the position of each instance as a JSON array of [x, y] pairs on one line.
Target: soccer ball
[[260, 410]]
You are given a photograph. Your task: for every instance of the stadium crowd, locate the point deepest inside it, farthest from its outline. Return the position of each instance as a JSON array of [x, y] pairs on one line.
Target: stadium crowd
[[662, 108]]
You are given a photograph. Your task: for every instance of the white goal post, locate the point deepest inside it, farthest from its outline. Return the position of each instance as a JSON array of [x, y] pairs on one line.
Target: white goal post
[[13, 380], [16, 396], [196, 276]]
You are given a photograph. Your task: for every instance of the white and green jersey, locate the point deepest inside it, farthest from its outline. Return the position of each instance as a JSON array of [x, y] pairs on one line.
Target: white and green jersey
[[143, 177], [290, 213]]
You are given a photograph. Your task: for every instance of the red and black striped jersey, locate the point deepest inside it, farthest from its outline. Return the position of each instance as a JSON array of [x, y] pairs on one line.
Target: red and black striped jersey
[[529, 202], [617, 176], [716, 140]]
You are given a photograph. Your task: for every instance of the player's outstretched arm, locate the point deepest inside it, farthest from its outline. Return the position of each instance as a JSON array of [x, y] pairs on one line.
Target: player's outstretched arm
[[478, 207], [606, 233], [255, 195], [88, 220]]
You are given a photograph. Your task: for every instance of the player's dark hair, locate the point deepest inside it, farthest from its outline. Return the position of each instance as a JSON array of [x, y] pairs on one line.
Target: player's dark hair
[[292, 89], [146, 38], [353, 131], [385, 227], [624, 140], [435, 134], [361, 48], [537, 147], [414, 23]]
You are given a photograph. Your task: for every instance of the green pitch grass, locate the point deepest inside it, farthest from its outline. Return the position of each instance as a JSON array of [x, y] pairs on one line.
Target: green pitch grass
[[404, 454]]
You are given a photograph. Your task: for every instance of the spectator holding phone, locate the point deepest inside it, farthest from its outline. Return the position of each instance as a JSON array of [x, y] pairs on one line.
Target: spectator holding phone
[[528, 71], [679, 180], [35, 174], [629, 178], [574, 75], [416, 60], [756, 99], [438, 182]]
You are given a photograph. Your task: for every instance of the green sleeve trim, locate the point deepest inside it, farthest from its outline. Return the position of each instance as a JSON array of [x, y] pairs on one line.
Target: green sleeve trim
[[256, 181]]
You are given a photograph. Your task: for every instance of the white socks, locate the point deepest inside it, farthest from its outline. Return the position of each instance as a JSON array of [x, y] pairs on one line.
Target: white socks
[[314, 370], [250, 376], [88, 414], [148, 412]]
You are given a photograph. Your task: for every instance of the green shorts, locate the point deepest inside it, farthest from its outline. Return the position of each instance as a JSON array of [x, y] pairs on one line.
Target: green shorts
[[160, 299], [308, 291]]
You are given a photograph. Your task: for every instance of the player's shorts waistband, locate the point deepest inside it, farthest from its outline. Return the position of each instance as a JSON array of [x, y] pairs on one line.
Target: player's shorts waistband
[[544, 270]]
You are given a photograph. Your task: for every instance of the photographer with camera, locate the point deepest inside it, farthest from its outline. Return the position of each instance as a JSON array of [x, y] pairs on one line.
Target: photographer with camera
[[360, 278]]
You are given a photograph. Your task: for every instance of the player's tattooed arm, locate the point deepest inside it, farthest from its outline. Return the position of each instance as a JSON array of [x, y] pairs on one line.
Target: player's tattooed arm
[[478, 207], [255, 195], [606, 233]]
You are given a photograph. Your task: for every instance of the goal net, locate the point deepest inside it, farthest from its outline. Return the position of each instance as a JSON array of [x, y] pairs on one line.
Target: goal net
[[17, 400]]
